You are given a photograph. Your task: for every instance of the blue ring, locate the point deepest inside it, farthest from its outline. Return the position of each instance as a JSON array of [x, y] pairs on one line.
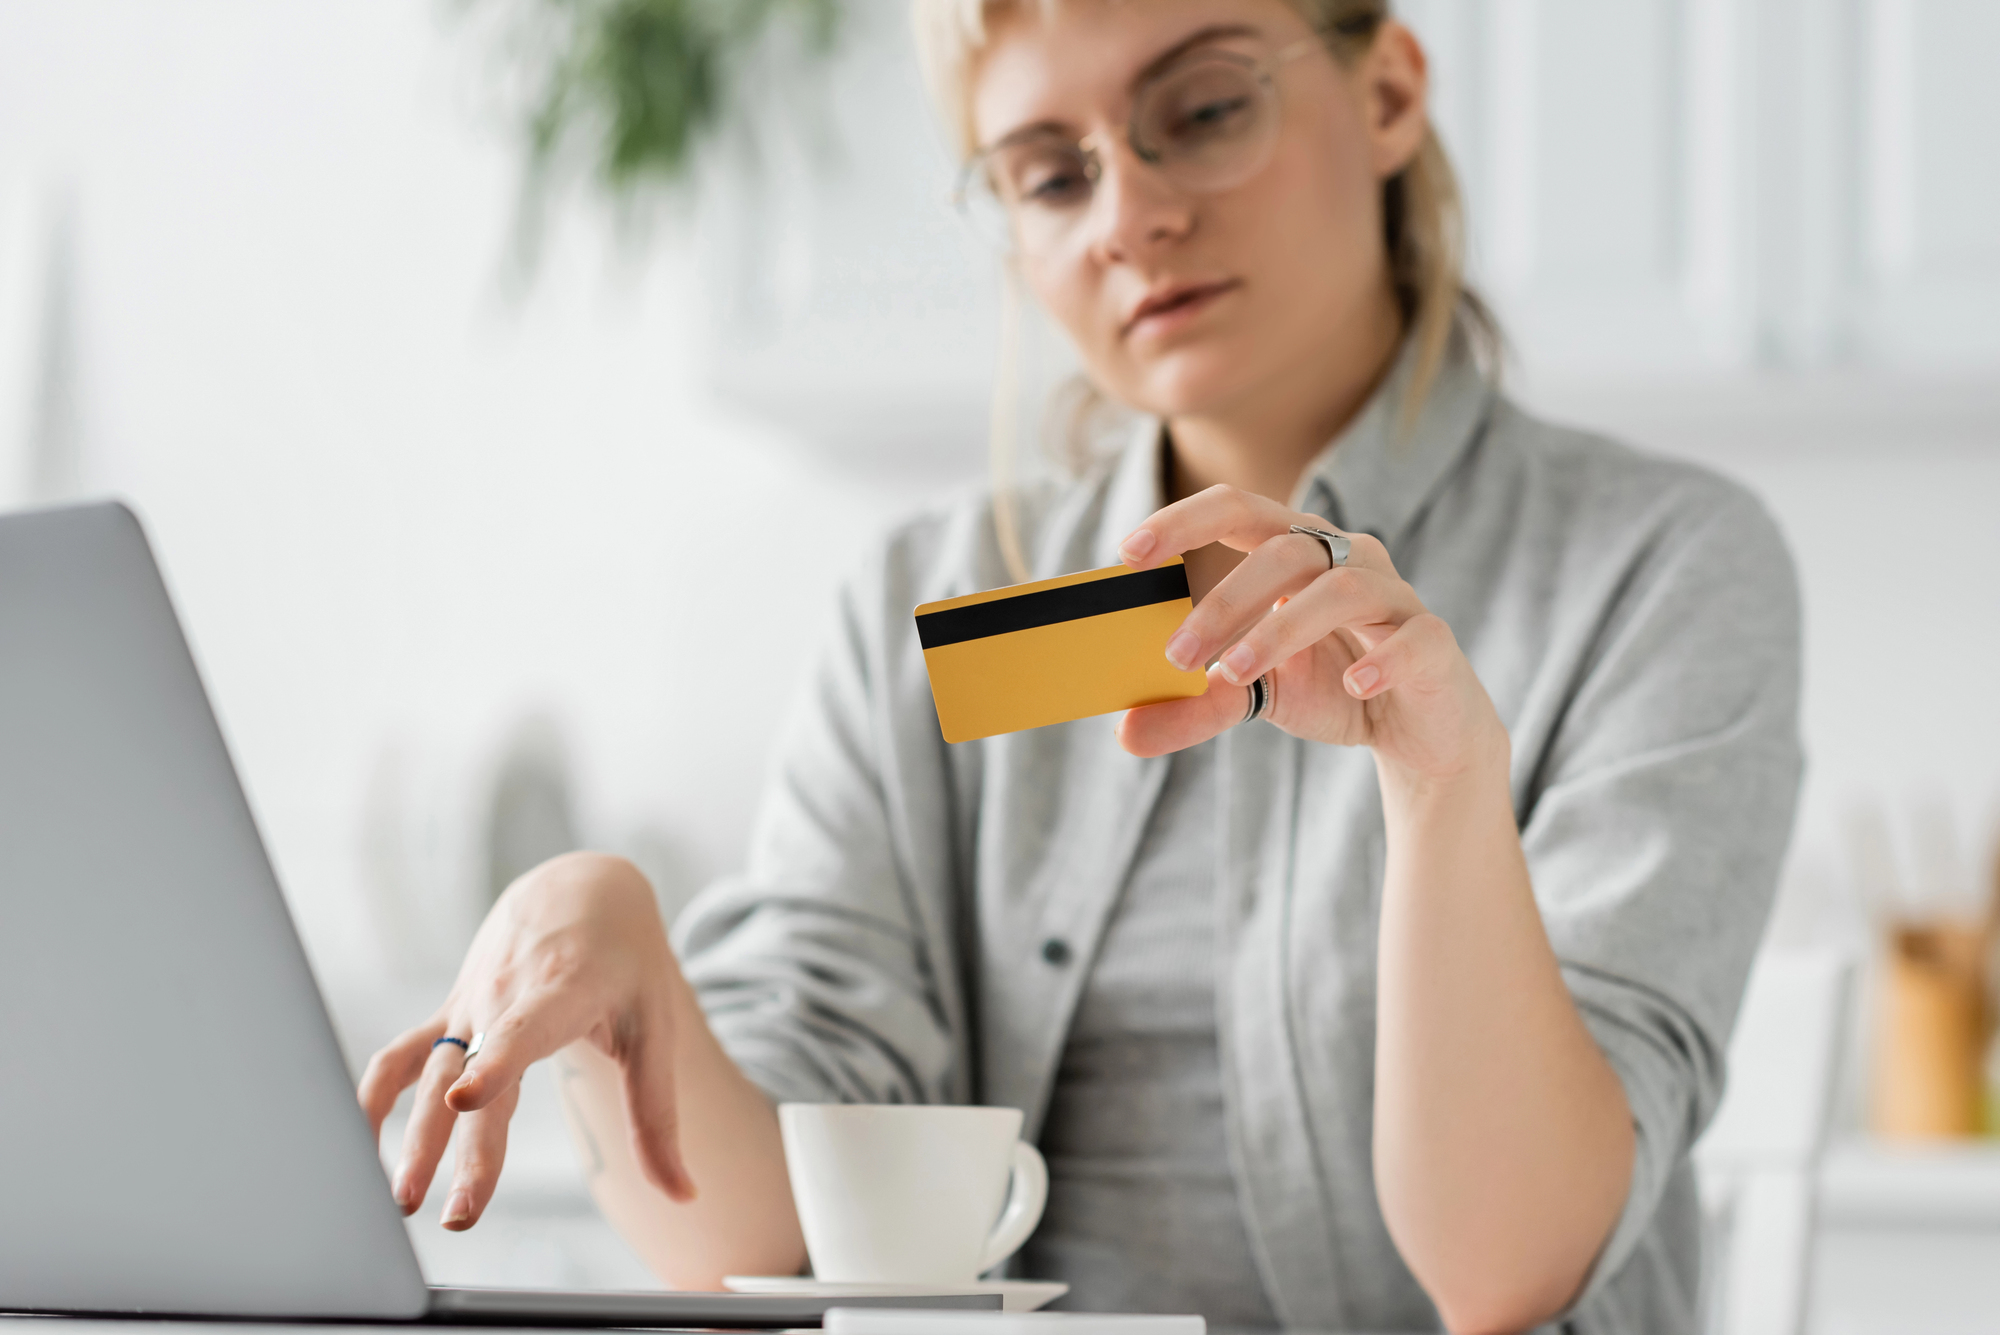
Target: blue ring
[[449, 1039]]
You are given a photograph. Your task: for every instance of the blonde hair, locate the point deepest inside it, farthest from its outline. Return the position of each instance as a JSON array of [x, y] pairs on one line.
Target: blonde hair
[[1423, 222]]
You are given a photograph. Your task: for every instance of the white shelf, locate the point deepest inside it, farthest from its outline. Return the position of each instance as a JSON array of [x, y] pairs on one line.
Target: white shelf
[[1729, 415], [1870, 1184]]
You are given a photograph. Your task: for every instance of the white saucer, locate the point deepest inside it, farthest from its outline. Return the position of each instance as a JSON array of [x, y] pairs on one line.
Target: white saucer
[[1016, 1295]]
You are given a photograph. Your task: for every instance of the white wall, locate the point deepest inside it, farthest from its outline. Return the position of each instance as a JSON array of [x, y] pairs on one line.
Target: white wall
[[397, 512]]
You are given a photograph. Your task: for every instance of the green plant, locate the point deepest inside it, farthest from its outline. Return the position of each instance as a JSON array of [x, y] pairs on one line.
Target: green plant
[[623, 93]]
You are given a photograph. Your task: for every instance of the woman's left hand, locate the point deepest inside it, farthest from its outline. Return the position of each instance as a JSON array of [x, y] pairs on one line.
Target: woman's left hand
[[1356, 658]]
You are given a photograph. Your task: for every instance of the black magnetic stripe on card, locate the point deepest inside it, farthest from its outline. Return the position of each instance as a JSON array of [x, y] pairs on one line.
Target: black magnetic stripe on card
[[1025, 611]]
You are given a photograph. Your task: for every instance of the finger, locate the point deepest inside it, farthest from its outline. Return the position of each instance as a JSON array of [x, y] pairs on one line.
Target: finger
[[482, 1148], [1224, 514], [1279, 569], [1157, 730], [1341, 599], [1239, 519], [647, 1062], [430, 1126], [1409, 657], [535, 1026], [392, 1070]]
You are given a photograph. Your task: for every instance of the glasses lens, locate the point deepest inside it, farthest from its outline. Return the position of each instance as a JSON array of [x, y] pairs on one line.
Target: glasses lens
[[1036, 189], [985, 213], [1207, 124]]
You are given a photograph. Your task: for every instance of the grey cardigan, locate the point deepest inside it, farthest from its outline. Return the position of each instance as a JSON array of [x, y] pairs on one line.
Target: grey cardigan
[[916, 918]]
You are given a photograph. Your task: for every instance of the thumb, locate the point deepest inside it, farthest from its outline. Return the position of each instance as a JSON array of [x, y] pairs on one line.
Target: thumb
[[647, 1066]]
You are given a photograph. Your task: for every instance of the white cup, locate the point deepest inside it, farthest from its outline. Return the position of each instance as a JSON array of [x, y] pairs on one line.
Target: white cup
[[911, 1193]]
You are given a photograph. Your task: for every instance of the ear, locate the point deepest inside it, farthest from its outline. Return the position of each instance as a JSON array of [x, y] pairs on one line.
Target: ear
[[1395, 83]]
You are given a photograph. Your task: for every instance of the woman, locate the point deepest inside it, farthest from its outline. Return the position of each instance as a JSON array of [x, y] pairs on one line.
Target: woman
[[1400, 1003]]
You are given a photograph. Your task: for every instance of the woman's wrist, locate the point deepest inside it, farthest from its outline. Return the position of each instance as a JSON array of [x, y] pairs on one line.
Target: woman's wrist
[[1480, 774]]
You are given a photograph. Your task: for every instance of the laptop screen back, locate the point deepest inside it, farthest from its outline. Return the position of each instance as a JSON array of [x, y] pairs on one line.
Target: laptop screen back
[[178, 1131]]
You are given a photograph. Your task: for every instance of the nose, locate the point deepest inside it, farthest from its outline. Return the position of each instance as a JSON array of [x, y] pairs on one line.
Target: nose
[[1134, 209]]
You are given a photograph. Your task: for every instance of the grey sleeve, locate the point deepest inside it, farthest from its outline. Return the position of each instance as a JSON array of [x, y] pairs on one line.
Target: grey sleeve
[[1659, 815], [818, 967]]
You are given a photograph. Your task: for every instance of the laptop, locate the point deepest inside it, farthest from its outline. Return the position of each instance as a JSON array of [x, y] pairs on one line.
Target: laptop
[[178, 1131]]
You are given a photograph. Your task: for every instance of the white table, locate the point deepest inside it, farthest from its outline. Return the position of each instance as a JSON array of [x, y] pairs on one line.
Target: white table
[[65, 1325], [27, 1325]]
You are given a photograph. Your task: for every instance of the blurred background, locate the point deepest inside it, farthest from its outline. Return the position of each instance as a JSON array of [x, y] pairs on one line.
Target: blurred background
[[502, 504]]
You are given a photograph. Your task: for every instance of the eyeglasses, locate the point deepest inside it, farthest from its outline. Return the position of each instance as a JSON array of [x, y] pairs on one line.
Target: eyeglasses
[[1207, 123]]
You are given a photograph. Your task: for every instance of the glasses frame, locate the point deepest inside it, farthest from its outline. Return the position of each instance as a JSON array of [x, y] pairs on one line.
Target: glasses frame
[[1090, 148]]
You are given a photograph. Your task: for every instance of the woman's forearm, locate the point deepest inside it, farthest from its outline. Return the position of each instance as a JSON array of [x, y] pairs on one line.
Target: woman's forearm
[[742, 1221], [1503, 1141]]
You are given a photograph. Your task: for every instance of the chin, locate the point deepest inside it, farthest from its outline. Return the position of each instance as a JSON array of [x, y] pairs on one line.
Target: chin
[[1190, 381]]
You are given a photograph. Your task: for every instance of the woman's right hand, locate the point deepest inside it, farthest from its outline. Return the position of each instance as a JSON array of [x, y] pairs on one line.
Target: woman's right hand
[[573, 950]]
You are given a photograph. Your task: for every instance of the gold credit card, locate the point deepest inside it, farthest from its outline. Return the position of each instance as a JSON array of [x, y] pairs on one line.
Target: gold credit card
[[1056, 650]]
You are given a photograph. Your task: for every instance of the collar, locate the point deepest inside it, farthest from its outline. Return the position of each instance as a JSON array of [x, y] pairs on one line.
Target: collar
[[1376, 475], [1372, 478], [1136, 490]]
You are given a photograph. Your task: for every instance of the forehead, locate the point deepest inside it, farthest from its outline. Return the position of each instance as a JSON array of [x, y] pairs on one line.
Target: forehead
[[1073, 61]]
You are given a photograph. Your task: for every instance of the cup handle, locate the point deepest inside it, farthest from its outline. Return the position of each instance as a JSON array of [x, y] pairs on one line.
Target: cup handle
[[1027, 1193]]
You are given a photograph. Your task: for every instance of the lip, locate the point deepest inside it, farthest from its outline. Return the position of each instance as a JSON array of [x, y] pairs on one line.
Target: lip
[[1173, 305]]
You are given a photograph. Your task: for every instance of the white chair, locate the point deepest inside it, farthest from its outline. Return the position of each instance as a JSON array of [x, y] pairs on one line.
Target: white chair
[[1758, 1163]]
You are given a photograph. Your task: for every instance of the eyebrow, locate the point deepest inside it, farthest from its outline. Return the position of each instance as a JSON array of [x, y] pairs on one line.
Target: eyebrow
[[1214, 32]]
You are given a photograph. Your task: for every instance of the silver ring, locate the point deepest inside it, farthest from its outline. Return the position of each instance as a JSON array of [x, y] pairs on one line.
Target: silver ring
[[1263, 697], [478, 1042], [1337, 546]]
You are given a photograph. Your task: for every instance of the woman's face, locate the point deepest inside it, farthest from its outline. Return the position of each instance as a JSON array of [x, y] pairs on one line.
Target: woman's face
[[1184, 303]]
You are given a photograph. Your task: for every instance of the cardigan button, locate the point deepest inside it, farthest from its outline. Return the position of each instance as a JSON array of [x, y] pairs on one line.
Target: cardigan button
[[1055, 951]]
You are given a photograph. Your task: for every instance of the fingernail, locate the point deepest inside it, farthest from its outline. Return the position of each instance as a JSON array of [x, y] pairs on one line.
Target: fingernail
[[1135, 547], [400, 1189], [458, 1206], [1182, 649], [1362, 680], [1236, 664]]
